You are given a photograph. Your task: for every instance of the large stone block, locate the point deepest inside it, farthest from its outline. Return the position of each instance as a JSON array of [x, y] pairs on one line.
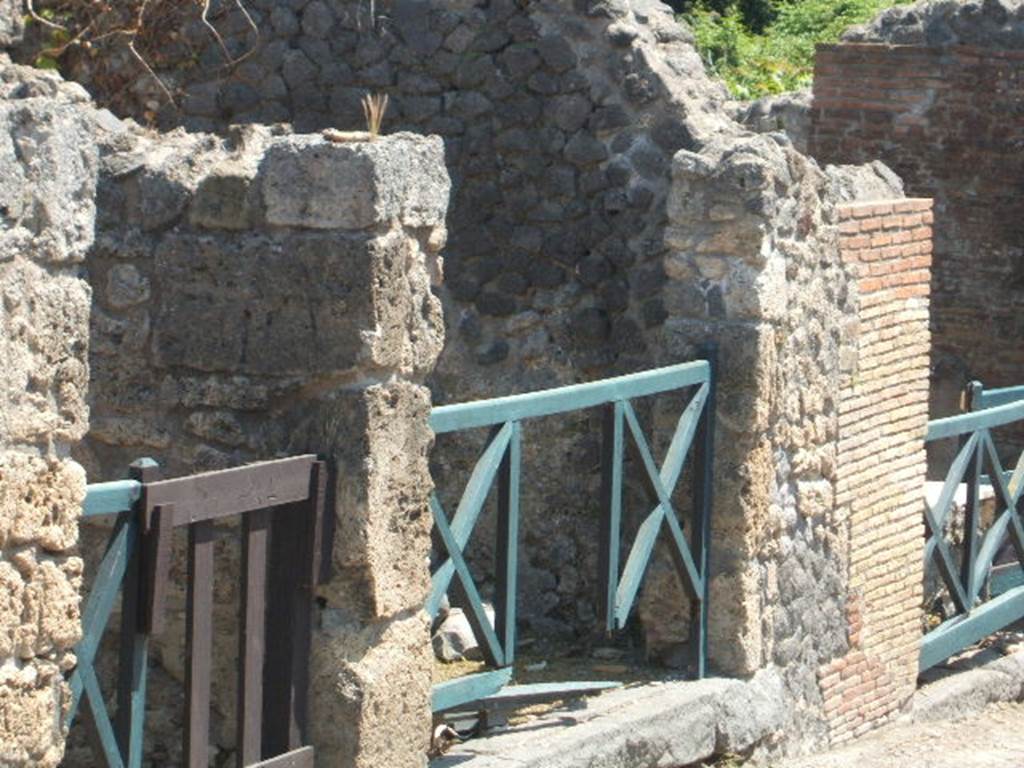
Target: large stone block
[[39, 614], [313, 183], [40, 501], [294, 305], [48, 166], [44, 321], [370, 693], [380, 440], [32, 699]]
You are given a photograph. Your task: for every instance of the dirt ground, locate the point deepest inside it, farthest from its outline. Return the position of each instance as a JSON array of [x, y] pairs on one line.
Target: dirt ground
[[992, 739]]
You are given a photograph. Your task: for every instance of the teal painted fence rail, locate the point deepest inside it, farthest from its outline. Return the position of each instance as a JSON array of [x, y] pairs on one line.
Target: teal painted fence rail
[[972, 575], [501, 462], [119, 741]]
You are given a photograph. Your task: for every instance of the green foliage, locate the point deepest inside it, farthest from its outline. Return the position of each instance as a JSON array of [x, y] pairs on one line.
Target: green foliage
[[762, 47]]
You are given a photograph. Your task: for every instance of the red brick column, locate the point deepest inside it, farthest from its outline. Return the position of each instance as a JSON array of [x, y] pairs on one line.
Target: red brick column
[[881, 462]]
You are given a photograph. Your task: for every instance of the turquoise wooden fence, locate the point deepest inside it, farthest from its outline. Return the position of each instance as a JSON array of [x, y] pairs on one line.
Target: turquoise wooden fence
[[119, 741], [501, 461], [968, 577]]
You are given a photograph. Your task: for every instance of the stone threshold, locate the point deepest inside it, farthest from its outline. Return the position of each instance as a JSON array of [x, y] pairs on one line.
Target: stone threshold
[[655, 724], [967, 686]]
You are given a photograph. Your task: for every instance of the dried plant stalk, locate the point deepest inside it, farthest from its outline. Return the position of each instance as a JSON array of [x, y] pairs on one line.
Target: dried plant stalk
[[374, 107]]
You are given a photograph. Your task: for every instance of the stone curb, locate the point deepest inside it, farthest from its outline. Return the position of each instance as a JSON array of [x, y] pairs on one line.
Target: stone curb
[[652, 725], [966, 693]]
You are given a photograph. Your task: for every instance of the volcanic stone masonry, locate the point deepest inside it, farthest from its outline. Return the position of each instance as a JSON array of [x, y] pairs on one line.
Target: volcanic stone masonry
[[258, 292]]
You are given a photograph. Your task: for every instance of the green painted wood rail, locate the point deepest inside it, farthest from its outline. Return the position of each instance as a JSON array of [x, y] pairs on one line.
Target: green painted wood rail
[[501, 461], [968, 576]]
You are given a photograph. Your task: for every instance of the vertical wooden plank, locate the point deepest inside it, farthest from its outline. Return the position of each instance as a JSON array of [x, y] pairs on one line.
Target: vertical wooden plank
[[972, 522], [252, 636], [129, 724], [156, 566], [611, 500], [292, 573], [282, 570], [198, 644], [703, 487], [507, 550]]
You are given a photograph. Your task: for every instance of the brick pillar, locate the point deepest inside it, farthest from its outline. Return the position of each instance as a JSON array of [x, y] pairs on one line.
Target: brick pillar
[[883, 415]]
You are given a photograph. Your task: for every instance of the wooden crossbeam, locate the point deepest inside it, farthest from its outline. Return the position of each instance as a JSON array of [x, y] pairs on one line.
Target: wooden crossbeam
[[662, 482], [478, 620], [468, 511]]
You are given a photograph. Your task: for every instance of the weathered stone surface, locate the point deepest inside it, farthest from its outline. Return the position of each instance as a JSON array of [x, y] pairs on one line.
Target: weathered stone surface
[[355, 185], [371, 691], [661, 724], [788, 113], [31, 698], [39, 502], [272, 318], [983, 23], [48, 168], [380, 440], [454, 640], [12, 23], [43, 343]]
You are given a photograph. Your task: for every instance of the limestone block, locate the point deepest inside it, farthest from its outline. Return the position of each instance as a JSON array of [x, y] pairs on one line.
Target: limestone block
[[370, 693], [12, 591], [51, 619], [48, 167], [226, 198], [380, 440], [32, 699], [40, 501], [295, 304], [44, 322], [310, 182]]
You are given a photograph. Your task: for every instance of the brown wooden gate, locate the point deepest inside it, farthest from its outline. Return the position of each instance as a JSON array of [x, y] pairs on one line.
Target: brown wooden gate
[[285, 555]]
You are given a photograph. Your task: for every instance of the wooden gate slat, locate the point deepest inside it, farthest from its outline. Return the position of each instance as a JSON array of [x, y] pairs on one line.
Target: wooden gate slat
[[251, 636], [198, 644], [293, 571], [134, 646], [156, 559]]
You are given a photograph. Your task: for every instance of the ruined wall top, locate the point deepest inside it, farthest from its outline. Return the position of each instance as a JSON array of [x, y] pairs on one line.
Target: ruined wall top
[[982, 23]]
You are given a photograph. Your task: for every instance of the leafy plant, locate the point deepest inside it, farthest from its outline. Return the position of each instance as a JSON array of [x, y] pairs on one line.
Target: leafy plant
[[756, 60]]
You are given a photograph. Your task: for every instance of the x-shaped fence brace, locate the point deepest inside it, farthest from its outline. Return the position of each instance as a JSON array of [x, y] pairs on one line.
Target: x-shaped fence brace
[[501, 459], [965, 587]]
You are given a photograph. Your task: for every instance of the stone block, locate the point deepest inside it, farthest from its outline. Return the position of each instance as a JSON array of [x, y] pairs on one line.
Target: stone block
[[40, 502], [32, 698], [48, 169], [370, 692], [44, 322], [295, 304], [380, 441], [310, 182], [226, 198]]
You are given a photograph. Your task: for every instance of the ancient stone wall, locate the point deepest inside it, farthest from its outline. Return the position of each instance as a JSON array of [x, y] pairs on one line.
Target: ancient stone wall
[[883, 414], [755, 226], [560, 120], [48, 165], [942, 108], [267, 294]]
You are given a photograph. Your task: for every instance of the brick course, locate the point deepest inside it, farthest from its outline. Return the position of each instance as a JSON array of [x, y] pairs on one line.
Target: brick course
[[949, 122], [883, 412]]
